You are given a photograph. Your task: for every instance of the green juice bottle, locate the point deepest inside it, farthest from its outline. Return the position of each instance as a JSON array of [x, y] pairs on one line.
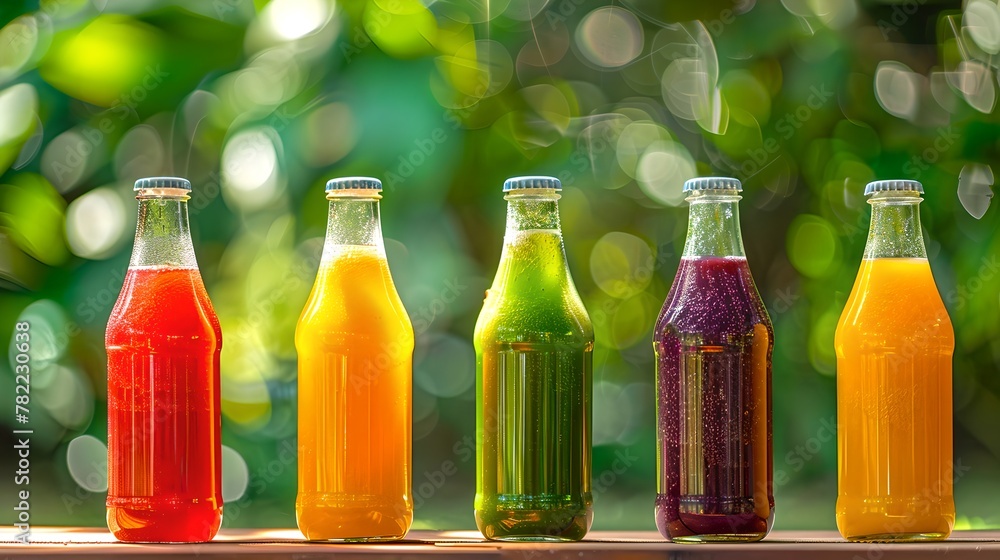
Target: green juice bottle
[[534, 360]]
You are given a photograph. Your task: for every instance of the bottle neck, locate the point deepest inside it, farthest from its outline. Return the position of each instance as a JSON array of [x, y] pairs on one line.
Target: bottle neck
[[162, 233], [533, 260], [353, 220], [714, 225], [532, 211], [895, 228]]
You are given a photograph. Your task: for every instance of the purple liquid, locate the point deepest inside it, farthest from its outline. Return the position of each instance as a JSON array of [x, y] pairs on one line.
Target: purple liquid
[[713, 344]]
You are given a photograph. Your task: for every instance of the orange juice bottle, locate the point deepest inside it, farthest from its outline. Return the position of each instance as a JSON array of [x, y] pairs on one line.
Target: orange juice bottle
[[894, 347], [355, 350]]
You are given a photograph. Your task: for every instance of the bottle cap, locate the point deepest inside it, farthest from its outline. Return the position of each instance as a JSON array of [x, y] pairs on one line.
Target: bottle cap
[[900, 185], [712, 184], [354, 184], [532, 182], [162, 183]]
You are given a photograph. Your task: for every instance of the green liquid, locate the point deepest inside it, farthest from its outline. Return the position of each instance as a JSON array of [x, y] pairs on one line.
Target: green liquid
[[534, 350]]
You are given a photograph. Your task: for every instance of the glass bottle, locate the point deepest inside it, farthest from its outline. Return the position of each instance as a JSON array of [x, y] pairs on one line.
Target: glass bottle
[[355, 352], [163, 342], [534, 356], [894, 346], [713, 342]]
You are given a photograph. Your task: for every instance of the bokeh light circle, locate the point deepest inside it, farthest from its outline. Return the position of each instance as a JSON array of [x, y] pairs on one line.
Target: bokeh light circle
[[235, 475], [975, 190], [634, 140], [813, 247], [19, 39], [50, 338], [140, 154], [610, 37], [66, 159], [95, 224], [633, 321], [68, 399], [897, 89], [662, 170], [294, 19], [18, 106], [446, 370], [250, 170], [523, 10], [87, 460], [329, 134], [621, 264], [982, 20]]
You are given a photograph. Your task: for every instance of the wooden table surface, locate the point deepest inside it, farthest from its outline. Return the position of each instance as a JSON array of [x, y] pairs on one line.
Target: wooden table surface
[[287, 543]]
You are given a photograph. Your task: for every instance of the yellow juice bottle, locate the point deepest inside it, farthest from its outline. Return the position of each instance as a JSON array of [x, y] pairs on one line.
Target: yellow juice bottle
[[894, 346], [355, 349]]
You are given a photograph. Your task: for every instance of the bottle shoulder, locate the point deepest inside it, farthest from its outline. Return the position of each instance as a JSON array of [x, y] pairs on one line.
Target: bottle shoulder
[[894, 299], [339, 308], [163, 306], [526, 319], [693, 313]]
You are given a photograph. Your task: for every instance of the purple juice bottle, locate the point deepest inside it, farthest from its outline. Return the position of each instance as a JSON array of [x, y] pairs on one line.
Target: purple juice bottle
[[713, 342]]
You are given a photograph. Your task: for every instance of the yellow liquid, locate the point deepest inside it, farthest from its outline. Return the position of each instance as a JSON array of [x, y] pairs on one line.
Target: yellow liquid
[[355, 350], [894, 348]]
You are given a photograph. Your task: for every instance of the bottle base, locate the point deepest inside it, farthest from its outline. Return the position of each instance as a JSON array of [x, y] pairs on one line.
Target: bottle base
[[718, 538], [895, 519], [190, 523], [687, 521], [535, 538], [348, 540], [899, 537], [553, 524], [352, 518]]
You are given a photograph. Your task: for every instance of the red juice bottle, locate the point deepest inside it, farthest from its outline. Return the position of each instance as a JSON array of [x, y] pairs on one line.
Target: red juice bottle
[[713, 343], [163, 342]]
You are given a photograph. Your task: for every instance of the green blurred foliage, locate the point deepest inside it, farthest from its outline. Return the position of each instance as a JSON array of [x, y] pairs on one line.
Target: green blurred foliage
[[259, 102]]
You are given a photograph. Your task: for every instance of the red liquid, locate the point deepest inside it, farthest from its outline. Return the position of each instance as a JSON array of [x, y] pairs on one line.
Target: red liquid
[[713, 344], [164, 423]]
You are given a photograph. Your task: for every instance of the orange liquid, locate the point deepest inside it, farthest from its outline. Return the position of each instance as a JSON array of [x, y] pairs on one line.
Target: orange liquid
[[355, 348], [894, 348]]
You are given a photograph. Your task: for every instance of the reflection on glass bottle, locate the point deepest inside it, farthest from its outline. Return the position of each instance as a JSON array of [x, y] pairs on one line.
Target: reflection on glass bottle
[[713, 343], [534, 347], [894, 347], [164, 419], [355, 350]]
